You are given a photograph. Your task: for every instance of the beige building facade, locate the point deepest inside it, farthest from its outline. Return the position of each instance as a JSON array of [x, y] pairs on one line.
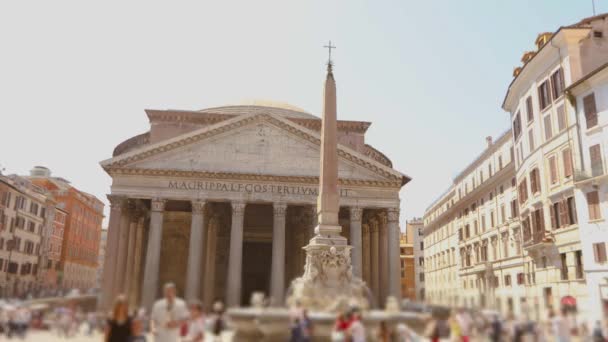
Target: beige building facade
[[472, 237], [527, 215], [206, 199]]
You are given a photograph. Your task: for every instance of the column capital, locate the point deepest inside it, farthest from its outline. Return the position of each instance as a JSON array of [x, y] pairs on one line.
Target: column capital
[[279, 209], [393, 214], [238, 207], [158, 204], [356, 213], [117, 202], [365, 228], [198, 206]]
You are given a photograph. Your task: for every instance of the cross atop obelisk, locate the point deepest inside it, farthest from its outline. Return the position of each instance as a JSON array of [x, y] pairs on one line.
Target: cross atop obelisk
[[328, 200], [329, 47]]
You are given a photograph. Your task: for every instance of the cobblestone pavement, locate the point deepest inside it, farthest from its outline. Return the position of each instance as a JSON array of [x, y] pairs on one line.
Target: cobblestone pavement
[[48, 336]]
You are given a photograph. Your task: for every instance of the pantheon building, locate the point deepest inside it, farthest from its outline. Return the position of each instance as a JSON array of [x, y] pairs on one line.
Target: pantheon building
[[207, 198]]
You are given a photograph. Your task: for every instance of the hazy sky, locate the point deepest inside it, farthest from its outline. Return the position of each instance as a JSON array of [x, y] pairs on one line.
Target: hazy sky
[[76, 76]]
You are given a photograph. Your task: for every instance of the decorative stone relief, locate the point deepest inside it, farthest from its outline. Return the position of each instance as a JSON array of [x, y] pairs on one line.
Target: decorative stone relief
[[117, 202], [328, 283]]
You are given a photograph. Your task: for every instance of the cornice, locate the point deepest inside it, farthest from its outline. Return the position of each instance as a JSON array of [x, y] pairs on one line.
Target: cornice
[[245, 177]]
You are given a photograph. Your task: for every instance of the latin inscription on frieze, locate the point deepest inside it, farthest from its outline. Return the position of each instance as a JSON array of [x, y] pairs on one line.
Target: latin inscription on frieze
[[249, 188]]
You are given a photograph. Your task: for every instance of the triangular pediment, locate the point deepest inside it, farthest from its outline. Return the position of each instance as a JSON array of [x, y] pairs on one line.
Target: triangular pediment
[[260, 144]]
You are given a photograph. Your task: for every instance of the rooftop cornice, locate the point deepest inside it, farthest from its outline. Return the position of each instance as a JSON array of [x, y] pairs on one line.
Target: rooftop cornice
[[563, 35], [502, 139]]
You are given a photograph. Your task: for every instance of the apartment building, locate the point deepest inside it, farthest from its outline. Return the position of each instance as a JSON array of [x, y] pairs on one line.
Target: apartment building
[[406, 248], [81, 233], [23, 212], [418, 244], [547, 141], [589, 97], [473, 255]]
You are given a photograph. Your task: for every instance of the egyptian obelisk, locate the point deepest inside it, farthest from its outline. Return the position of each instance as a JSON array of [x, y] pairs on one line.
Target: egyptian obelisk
[[328, 283]]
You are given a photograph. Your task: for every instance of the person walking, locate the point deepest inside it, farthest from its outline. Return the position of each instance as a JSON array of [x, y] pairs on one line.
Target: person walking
[[168, 315], [465, 323], [118, 327], [560, 327], [196, 324], [598, 335], [217, 321], [356, 329]]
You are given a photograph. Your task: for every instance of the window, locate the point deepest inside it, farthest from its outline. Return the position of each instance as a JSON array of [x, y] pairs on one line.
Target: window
[[531, 139], [490, 170], [599, 252], [529, 109], [523, 191], [561, 118], [492, 219], [557, 81], [564, 269], [516, 128], [500, 162], [502, 213], [571, 210], [553, 169], [597, 169], [534, 181], [593, 201], [520, 279], [567, 161], [590, 110], [578, 258], [555, 218], [548, 128], [544, 95], [483, 223], [513, 208], [508, 280]]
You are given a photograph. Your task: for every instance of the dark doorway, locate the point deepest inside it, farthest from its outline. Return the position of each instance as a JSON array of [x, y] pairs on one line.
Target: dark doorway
[[257, 257]]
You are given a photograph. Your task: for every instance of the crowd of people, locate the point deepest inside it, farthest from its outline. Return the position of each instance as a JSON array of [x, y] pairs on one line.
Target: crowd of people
[[171, 319]]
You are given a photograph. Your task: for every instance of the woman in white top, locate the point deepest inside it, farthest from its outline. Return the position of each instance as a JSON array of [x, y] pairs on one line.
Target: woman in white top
[[196, 324]]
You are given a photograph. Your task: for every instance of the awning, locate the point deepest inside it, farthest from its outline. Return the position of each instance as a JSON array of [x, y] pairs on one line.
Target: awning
[[568, 301]]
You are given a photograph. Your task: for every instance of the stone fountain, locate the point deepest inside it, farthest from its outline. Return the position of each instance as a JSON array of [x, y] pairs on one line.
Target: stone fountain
[[327, 286]]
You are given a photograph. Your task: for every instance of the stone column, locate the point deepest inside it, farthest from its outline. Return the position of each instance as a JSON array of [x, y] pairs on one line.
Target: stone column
[[375, 265], [383, 258], [209, 285], [366, 253], [109, 269], [123, 246], [150, 284], [356, 241], [394, 275], [129, 274], [196, 251], [136, 283], [235, 261], [277, 273]]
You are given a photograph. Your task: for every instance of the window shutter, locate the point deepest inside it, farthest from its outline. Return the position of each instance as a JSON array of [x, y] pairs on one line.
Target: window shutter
[[553, 217], [563, 213], [561, 118], [593, 203], [590, 110], [552, 170], [572, 210], [567, 159], [529, 109], [596, 160], [602, 252], [548, 128]]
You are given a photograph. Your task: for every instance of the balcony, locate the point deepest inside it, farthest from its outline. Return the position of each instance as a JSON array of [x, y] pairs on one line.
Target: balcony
[[538, 240]]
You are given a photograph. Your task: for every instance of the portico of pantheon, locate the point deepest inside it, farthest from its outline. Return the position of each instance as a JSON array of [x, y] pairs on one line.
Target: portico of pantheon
[[220, 201]]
